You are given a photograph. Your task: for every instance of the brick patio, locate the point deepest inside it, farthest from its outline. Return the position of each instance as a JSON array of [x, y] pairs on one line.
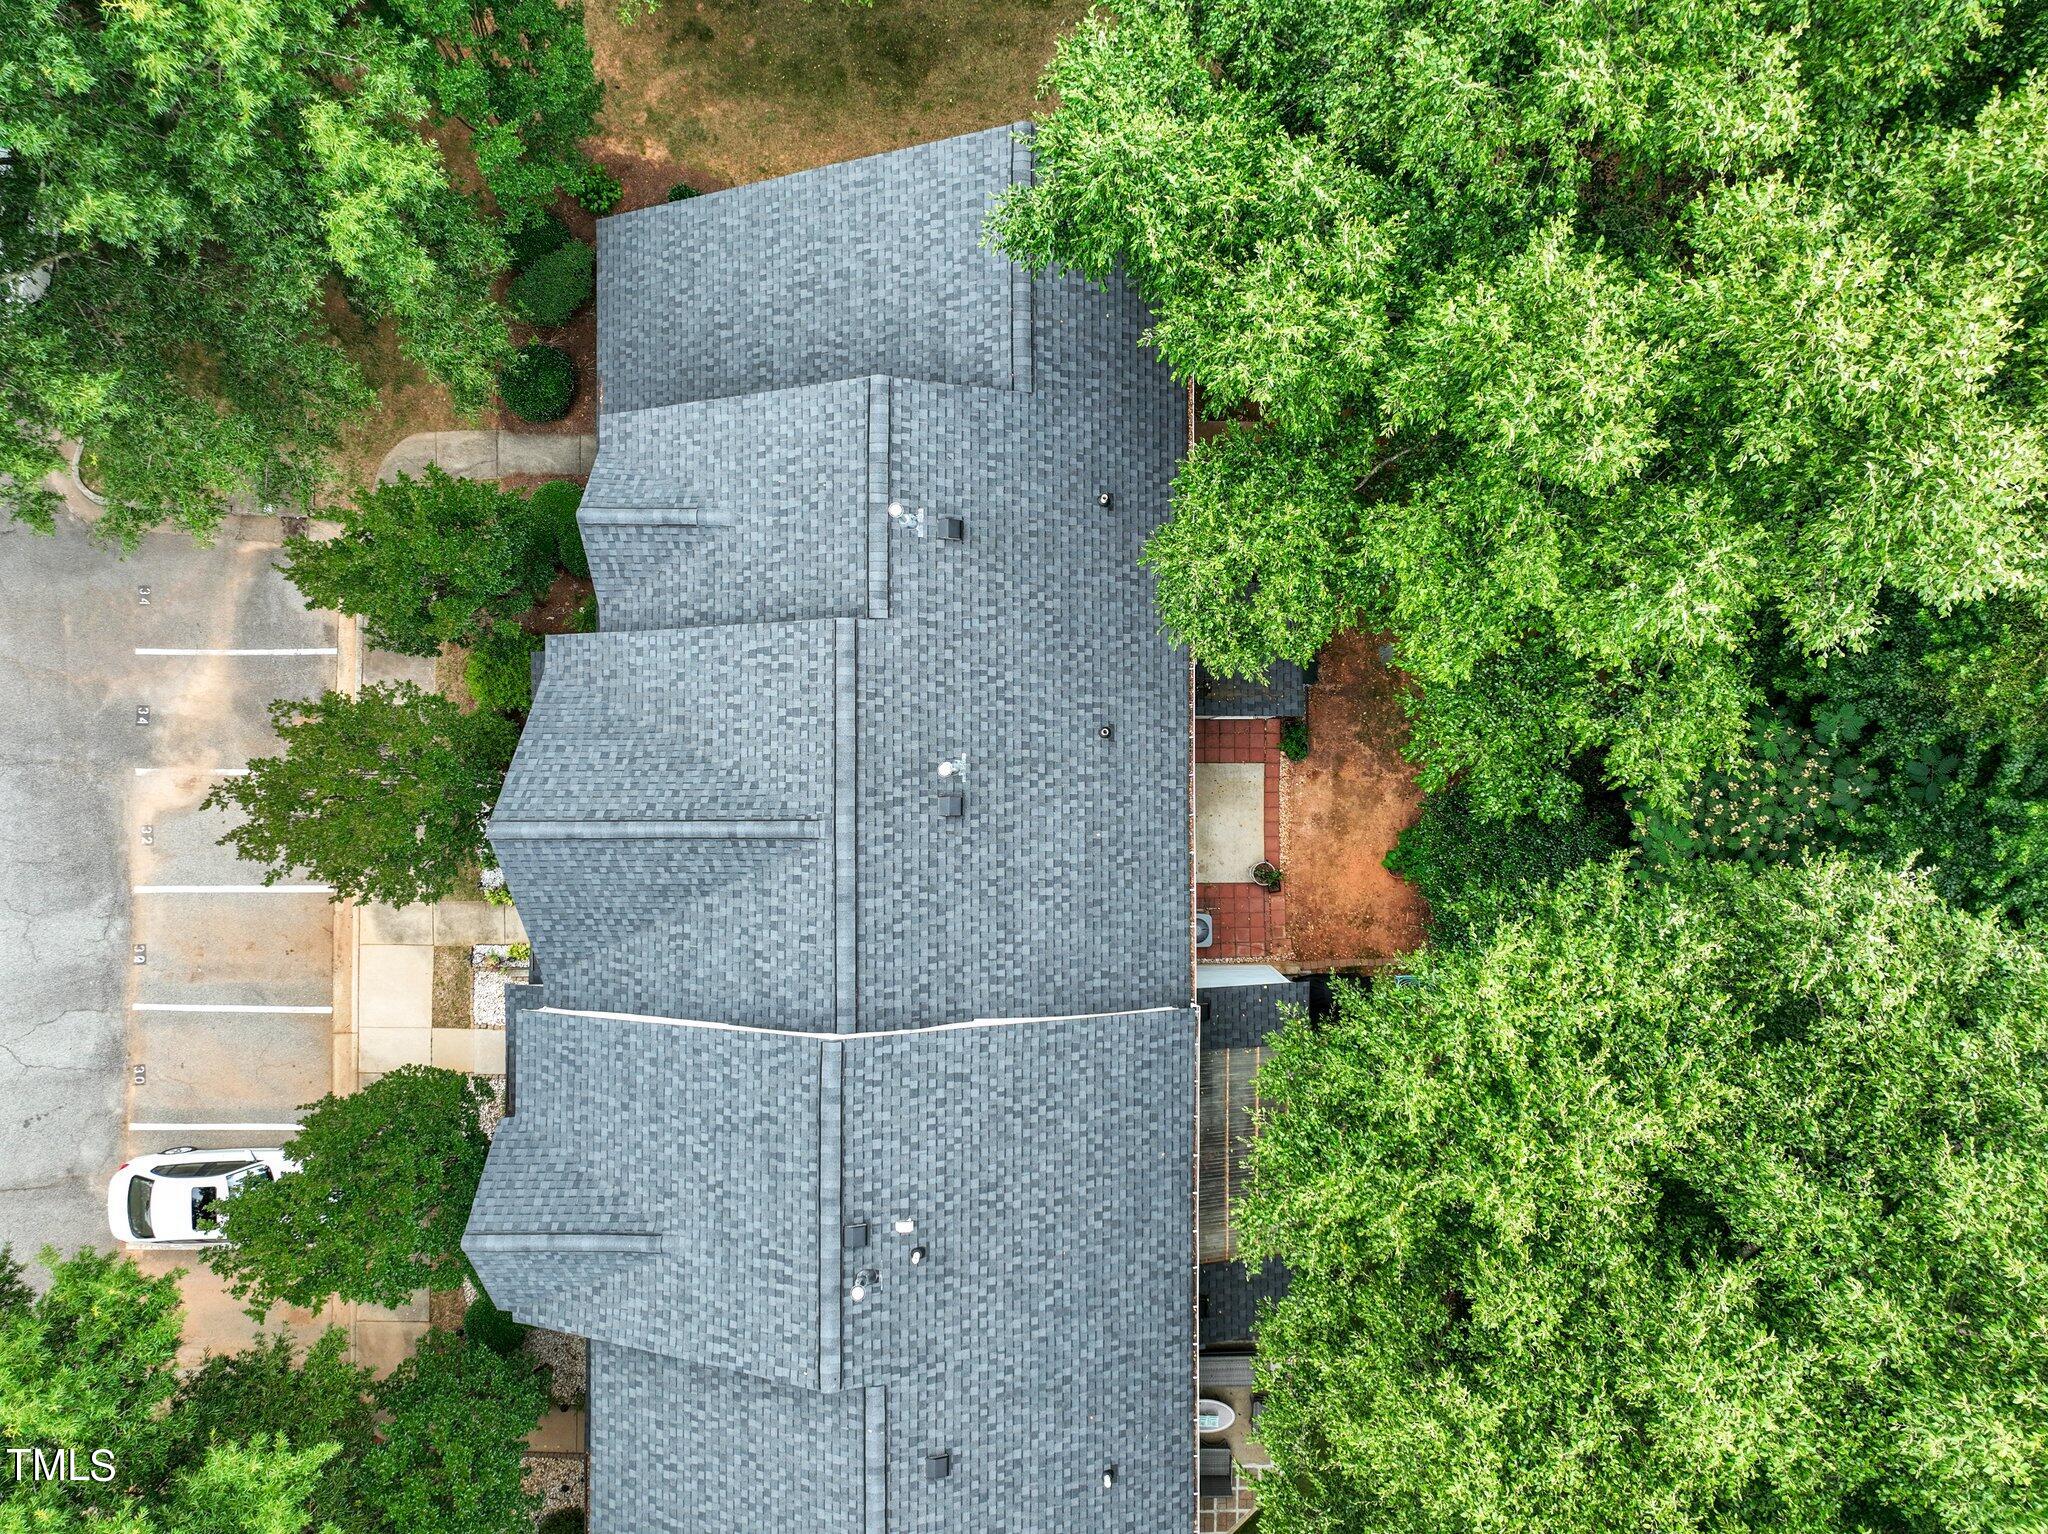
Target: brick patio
[[1249, 922]]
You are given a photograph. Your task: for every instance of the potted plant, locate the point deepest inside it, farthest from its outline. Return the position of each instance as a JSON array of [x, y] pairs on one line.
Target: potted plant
[[1265, 875]]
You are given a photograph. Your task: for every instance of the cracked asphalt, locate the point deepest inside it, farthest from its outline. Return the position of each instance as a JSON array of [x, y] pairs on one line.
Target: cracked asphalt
[[73, 805]]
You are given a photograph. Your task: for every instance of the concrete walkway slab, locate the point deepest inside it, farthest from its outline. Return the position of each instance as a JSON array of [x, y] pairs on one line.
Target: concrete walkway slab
[[398, 924], [397, 987], [1230, 821], [385, 1049], [489, 454], [480, 1051], [381, 1346]]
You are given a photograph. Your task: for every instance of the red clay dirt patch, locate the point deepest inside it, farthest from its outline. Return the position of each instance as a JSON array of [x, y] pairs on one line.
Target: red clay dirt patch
[[1341, 811]]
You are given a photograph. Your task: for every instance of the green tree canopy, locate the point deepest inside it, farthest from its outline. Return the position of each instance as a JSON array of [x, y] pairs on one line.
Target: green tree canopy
[[89, 1364], [383, 795], [266, 1441], [1717, 1203], [449, 1462], [1571, 348], [429, 561], [185, 186], [376, 1210]]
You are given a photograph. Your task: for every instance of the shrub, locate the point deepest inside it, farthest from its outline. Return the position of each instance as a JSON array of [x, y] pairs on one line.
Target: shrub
[[681, 190], [563, 1520], [499, 672], [554, 525], [585, 621], [1473, 871], [493, 1328], [1793, 790], [539, 383], [528, 245], [555, 286], [600, 191], [1294, 739]]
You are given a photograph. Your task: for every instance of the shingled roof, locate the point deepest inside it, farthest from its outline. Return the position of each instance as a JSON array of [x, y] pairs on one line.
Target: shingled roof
[[868, 499]]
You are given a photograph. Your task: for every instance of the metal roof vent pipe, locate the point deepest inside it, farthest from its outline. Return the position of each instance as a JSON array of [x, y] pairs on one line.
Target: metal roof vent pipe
[[1108, 1476]]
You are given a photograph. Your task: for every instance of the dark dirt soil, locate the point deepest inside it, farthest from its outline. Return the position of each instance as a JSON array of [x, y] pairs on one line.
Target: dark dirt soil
[[555, 613], [1341, 810]]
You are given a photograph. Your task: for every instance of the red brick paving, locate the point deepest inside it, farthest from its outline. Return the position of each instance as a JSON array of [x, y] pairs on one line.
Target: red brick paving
[[1249, 922]]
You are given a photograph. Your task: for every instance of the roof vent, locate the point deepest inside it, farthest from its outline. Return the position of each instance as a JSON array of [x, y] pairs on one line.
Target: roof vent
[[864, 1280], [938, 1466], [905, 1225], [952, 806], [1104, 499], [856, 1236], [1106, 731], [951, 529], [917, 1255], [1108, 1476]]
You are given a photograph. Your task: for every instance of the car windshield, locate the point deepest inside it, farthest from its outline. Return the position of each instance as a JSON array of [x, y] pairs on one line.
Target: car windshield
[[256, 1171], [201, 1169], [138, 1207]]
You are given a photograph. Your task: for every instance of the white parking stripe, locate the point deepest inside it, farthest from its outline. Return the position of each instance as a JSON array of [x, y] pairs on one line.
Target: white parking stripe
[[152, 1129], [200, 1006], [308, 650], [218, 772], [233, 889]]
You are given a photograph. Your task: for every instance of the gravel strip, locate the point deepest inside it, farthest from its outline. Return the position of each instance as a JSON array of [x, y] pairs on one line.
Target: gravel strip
[[557, 1479], [567, 1359]]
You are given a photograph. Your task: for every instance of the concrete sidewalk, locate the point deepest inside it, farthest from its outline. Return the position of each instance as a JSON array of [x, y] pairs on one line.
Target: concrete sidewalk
[[490, 454], [394, 989]]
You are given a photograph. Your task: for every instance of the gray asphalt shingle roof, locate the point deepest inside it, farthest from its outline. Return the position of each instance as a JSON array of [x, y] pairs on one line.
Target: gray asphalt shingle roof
[[725, 810]]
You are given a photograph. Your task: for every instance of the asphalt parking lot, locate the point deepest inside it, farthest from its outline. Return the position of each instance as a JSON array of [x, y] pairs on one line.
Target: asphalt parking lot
[[156, 995]]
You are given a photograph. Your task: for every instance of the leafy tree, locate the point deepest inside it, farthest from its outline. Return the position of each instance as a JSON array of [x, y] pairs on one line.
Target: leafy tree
[[1954, 714], [383, 795], [426, 562], [1473, 872], [1576, 353], [1712, 1203], [189, 180], [272, 1391], [258, 1488], [375, 1212], [456, 1419], [87, 1364], [520, 77]]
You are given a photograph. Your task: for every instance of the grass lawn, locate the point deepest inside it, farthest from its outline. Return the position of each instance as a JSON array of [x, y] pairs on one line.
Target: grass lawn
[[729, 91]]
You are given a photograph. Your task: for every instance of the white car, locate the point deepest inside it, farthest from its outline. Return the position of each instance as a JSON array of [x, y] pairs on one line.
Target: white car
[[174, 1198]]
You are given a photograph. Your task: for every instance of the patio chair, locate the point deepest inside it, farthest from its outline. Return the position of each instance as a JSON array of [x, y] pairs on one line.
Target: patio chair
[[1218, 1475]]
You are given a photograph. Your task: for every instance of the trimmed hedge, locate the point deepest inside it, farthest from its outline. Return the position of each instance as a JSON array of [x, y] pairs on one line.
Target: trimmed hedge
[[493, 1328], [551, 290], [536, 240], [539, 383], [499, 672], [554, 525]]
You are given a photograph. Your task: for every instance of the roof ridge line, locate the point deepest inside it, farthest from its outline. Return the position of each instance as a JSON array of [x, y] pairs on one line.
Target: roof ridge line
[[821, 1035]]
